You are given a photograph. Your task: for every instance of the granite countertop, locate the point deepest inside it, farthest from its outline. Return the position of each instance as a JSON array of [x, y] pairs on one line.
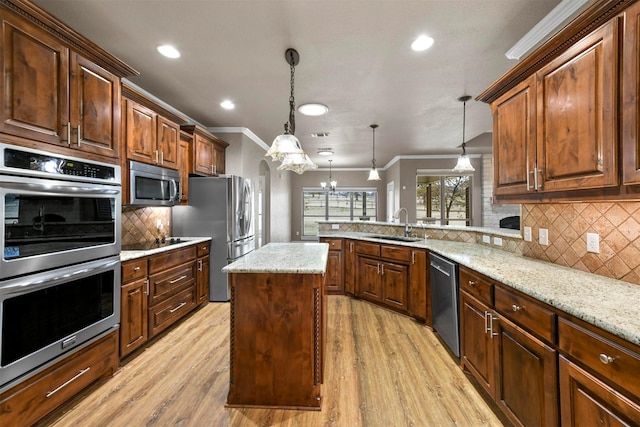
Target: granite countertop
[[298, 258], [607, 303], [185, 241]]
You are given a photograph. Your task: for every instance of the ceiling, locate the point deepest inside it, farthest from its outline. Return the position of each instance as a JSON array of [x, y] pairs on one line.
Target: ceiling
[[355, 57]]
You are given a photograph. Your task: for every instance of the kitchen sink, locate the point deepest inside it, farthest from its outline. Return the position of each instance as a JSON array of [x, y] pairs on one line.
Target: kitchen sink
[[395, 238]]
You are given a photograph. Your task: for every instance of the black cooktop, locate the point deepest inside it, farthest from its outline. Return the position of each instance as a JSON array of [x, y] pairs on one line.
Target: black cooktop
[[151, 244]]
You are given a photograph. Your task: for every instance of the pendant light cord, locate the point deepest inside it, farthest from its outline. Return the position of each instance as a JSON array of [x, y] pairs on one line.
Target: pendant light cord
[[464, 100], [292, 103], [373, 154]]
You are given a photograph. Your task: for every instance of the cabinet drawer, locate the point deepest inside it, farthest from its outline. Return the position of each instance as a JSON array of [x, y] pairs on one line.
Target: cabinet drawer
[[476, 286], [31, 400], [170, 259], [334, 244], [526, 312], [166, 313], [134, 269], [396, 253], [613, 361], [368, 248], [163, 285], [203, 249]]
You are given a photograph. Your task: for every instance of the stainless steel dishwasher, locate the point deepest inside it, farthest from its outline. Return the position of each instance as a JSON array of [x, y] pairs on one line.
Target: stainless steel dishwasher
[[444, 300]]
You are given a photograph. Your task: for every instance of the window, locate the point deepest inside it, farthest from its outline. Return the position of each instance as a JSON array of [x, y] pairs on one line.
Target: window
[[344, 205], [443, 199]]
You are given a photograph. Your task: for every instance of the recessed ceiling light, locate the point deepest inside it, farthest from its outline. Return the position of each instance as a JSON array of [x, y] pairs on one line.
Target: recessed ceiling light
[[227, 105], [320, 134], [168, 51], [422, 43], [325, 151], [313, 109]]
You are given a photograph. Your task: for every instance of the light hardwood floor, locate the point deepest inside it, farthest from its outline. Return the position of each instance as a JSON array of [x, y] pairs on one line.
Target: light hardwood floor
[[382, 369]]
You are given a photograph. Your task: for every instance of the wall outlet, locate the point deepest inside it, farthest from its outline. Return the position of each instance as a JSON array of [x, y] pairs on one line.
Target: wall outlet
[[543, 236], [593, 243], [486, 239], [497, 241], [297, 233], [527, 234], [335, 226]]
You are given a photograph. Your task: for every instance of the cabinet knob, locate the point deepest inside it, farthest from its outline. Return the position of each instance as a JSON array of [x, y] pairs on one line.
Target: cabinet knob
[[516, 307], [606, 359], [472, 283], [136, 269]]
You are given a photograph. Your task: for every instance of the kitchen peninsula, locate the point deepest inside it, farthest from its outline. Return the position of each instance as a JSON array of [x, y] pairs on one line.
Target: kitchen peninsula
[[277, 326]]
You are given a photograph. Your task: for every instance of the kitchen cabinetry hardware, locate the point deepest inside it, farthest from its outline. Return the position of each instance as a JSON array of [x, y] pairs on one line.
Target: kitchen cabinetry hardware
[[137, 268], [147, 285], [472, 283], [351, 247], [606, 359], [199, 265], [79, 137], [184, 276], [378, 268], [383, 269], [491, 330], [69, 134], [182, 304], [446, 273], [78, 375], [486, 322], [515, 307], [413, 257]]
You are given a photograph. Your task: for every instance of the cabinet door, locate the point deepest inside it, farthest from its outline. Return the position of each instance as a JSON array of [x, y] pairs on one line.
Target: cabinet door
[[349, 268], [417, 304], [184, 165], [133, 317], [334, 284], [167, 143], [395, 280], [585, 400], [578, 114], [514, 139], [35, 69], [202, 155], [630, 96], [141, 134], [476, 343], [369, 279], [526, 376], [220, 159], [94, 108], [202, 280]]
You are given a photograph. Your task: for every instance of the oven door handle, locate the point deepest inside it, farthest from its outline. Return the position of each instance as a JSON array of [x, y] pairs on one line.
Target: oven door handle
[[46, 279], [63, 188]]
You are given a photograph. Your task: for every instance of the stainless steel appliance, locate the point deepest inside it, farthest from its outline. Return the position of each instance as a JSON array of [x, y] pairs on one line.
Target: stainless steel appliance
[[151, 185], [60, 264], [444, 300], [220, 208]]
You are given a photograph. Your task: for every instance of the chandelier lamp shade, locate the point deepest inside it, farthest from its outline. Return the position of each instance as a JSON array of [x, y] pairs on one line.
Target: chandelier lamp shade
[[464, 163], [332, 182], [286, 148], [373, 173]]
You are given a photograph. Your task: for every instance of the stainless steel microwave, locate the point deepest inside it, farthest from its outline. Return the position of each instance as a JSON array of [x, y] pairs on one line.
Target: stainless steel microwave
[[153, 185]]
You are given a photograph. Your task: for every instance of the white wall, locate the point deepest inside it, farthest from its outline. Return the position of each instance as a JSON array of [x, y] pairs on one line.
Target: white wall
[[492, 213]]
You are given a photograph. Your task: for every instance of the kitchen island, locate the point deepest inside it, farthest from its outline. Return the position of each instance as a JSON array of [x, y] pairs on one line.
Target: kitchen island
[[277, 326]]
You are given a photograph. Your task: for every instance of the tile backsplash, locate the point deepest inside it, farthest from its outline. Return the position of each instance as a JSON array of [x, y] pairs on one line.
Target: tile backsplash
[[139, 224], [618, 225]]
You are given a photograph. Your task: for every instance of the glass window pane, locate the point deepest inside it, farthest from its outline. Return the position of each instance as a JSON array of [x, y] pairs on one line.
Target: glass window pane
[[457, 199], [339, 205]]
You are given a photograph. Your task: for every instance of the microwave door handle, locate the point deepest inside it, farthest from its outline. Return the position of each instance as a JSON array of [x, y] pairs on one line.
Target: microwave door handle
[[174, 186]]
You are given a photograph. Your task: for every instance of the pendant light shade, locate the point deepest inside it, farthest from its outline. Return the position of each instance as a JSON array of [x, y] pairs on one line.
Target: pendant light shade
[[373, 173], [286, 148], [464, 163]]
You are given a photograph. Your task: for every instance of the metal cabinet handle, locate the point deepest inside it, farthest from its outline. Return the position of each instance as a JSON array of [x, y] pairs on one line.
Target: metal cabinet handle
[[182, 304], [529, 180], [215, 169], [493, 333], [184, 276], [147, 283], [136, 269], [199, 265], [486, 322], [383, 269], [162, 157], [78, 375], [79, 138], [472, 283], [156, 156], [69, 134], [378, 268], [351, 247], [413, 257], [606, 359], [515, 307]]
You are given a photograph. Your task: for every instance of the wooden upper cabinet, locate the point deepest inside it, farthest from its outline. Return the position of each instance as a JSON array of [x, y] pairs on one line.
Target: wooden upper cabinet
[[184, 164], [167, 142], [141, 133], [514, 139], [630, 96], [208, 152], [95, 107], [35, 67], [577, 112], [203, 156]]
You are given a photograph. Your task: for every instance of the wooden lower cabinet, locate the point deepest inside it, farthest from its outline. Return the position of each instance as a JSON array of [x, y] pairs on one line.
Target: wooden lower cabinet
[[134, 329], [418, 304], [202, 279], [585, 400], [369, 284], [350, 268], [526, 376], [37, 396], [335, 267], [395, 281]]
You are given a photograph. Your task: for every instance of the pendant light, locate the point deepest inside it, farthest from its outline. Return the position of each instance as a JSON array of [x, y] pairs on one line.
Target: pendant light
[[286, 148], [464, 164], [373, 173], [332, 183]]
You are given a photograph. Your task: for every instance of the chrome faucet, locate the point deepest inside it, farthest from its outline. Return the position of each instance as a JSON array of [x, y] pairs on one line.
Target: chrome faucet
[[407, 227]]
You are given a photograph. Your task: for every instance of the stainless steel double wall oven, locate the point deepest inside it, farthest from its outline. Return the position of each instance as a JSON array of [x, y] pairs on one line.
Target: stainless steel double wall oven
[[60, 265]]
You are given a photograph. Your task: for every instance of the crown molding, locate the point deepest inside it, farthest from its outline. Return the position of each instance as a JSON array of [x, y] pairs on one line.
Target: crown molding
[[245, 131]]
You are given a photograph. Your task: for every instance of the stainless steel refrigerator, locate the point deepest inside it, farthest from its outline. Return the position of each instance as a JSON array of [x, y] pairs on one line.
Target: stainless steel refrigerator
[[220, 208]]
